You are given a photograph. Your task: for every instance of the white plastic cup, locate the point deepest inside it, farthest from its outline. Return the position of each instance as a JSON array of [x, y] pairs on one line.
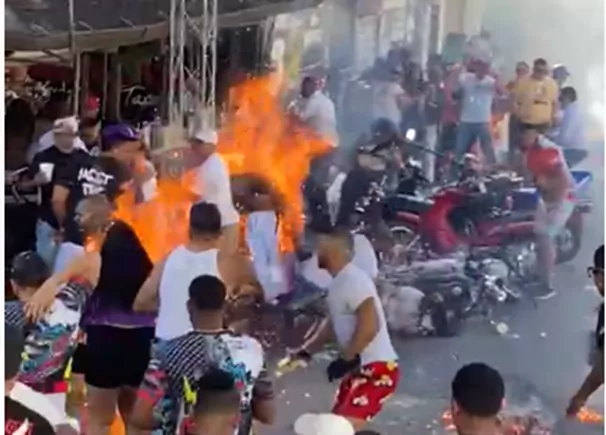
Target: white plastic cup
[[47, 170]]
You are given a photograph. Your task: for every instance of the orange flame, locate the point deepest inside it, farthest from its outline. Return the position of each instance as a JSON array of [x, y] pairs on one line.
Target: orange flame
[[586, 415], [258, 139]]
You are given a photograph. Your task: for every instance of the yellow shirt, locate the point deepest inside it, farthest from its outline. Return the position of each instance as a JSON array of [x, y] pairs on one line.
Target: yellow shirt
[[535, 100]]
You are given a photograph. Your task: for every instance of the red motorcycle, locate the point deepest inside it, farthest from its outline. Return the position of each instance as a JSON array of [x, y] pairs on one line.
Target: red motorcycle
[[491, 215]]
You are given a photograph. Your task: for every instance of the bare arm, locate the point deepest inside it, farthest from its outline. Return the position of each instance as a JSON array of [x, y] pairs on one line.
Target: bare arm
[[148, 297], [87, 265], [263, 403], [59, 202], [595, 378], [367, 328]]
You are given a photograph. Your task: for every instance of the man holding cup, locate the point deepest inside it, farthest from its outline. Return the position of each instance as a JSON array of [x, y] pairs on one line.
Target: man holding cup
[[44, 170]]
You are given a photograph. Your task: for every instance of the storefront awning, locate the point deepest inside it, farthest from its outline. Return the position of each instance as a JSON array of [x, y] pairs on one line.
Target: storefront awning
[[109, 24]]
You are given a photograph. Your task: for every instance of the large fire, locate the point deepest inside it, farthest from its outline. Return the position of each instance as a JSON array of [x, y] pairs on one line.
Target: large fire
[[259, 138]]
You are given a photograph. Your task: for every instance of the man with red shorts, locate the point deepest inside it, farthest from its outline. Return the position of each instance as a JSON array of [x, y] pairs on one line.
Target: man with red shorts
[[545, 163], [367, 365]]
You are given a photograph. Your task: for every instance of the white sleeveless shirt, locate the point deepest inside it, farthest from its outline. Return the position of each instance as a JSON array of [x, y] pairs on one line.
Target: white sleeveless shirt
[[182, 266]]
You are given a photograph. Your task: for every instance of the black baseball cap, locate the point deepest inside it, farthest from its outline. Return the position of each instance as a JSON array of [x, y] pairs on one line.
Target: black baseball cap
[[28, 269], [13, 348]]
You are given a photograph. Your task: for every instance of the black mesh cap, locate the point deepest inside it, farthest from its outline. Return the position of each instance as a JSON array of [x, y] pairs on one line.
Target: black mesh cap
[[28, 269]]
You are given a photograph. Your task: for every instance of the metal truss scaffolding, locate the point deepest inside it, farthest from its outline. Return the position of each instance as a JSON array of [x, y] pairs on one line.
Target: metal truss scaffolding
[[193, 61]]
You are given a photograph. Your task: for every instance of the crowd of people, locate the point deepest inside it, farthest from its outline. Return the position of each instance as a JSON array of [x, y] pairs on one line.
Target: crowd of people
[[148, 342]]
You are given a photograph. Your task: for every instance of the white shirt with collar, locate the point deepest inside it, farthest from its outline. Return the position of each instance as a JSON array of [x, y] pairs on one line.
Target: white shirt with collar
[[318, 111], [213, 184]]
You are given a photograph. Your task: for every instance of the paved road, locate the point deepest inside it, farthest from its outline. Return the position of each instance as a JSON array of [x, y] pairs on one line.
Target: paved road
[[543, 355]]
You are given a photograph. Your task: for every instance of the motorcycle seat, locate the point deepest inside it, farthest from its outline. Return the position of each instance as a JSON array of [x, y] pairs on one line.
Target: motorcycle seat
[[409, 204]]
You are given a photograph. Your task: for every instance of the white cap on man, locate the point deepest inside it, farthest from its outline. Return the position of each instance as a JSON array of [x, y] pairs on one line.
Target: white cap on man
[[207, 136], [323, 424], [67, 125]]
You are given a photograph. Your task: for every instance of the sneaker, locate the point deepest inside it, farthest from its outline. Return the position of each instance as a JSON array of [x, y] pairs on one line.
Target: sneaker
[[544, 292]]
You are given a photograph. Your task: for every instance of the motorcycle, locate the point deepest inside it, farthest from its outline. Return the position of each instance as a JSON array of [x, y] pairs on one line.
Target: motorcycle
[[494, 214], [452, 291]]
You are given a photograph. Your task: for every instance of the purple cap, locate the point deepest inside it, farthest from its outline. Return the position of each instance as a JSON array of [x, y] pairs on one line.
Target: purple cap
[[113, 134]]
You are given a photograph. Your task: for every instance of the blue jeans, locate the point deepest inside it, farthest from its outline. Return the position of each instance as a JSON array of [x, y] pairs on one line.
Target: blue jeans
[[468, 133], [45, 242]]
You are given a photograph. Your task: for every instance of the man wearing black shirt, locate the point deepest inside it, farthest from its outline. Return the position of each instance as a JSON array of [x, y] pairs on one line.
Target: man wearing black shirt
[[46, 168], [595, 378], [18, 419], [108, 174]]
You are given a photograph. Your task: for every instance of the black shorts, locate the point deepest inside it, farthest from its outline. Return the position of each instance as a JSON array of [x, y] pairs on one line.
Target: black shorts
[[116, 357]]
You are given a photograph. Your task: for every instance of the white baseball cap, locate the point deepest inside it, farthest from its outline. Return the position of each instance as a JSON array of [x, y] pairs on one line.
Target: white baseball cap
[[323, 424], [66, 125], [207, 136]]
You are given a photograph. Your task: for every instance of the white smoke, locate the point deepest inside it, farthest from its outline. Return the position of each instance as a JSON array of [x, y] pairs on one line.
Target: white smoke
[[561, 31]]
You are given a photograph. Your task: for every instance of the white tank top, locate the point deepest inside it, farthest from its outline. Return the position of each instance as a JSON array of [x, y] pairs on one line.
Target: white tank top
[[181, 268]]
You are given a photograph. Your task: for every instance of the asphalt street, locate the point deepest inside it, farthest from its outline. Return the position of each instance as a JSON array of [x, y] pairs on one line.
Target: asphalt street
[[543, 357]]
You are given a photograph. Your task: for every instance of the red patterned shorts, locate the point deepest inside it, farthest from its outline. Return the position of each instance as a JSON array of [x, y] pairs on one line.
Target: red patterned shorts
[[362, 394]]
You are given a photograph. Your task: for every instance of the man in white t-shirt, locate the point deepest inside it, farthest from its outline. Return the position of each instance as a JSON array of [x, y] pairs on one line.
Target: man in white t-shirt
[[367, 363], [212, 183], [389, 98], [317, 111]]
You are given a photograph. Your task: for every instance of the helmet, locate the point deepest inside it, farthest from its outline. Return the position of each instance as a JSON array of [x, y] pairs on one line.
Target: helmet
[[560, 72]]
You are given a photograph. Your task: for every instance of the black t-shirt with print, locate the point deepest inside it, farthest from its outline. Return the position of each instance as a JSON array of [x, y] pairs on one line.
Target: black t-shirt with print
[[16, 416], [91, 176], [62, 162]]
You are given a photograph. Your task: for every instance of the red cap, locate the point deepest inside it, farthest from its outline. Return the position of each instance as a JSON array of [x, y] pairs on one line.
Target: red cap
[[92, 103]]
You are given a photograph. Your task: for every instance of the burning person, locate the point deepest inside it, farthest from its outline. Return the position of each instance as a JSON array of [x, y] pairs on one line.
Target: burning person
[[478, 392], [263, 242], [595, 378]]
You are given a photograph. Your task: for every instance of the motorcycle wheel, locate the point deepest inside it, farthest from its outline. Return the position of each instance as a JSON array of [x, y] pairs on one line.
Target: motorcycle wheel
[[568, 244]]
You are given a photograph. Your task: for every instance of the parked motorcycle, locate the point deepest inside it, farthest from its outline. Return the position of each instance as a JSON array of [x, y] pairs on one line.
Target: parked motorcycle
[[493, 214]]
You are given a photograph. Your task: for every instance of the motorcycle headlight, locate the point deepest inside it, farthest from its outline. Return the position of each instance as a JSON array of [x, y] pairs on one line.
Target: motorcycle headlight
[[457, 290]]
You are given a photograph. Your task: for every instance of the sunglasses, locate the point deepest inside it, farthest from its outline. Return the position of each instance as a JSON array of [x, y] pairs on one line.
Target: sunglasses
[[595, 272]]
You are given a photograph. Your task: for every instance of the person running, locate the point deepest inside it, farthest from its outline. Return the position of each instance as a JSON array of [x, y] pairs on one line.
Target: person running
[[212, 184], [118, 341], [18, 418], [165, 290], [108, 174], [546, 164], [178, 364], [50, 341], [367, 363], [595, 378], [217, 406], [478, 392]]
